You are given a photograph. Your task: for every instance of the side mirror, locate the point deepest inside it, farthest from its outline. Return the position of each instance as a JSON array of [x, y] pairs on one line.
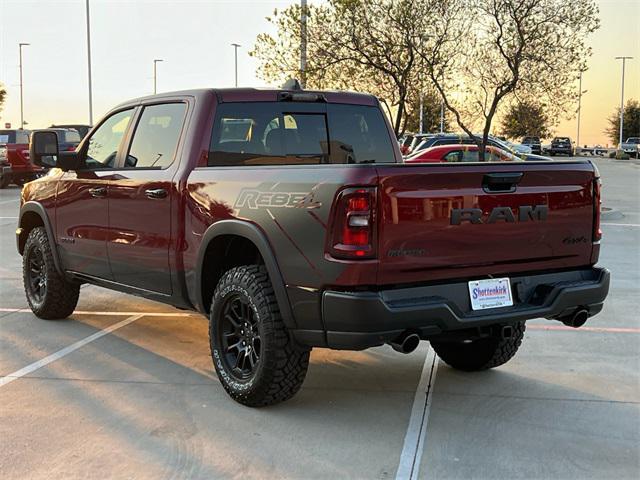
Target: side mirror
[[43, 150]]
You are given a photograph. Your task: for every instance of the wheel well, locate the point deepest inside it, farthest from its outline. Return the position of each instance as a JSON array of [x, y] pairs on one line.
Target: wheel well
[[28, 222], [223, 253]]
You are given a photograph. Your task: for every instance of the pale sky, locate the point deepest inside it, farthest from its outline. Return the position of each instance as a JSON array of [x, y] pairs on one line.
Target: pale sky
[[193, 38]]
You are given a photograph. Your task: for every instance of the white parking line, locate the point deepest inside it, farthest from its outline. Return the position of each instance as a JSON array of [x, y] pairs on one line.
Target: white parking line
[[8, 218], [9, 201], [621, 224], [409, 466], [65, 351], [115, 314]]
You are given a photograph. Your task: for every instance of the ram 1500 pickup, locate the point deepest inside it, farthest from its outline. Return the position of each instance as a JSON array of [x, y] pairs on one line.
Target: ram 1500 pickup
[[288, 218]]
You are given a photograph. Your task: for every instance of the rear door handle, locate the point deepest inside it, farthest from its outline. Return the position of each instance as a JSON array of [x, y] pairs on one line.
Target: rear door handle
[[98, 192], [156, 193]]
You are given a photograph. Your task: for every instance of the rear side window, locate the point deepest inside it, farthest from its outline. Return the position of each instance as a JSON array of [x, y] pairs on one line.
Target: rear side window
[[72, 136], [14, 136], [156, 137], [358, 135], [286, 133]]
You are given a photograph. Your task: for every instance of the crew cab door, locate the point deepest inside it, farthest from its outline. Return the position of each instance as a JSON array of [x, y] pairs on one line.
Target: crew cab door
[[141, 199], [82, 218]]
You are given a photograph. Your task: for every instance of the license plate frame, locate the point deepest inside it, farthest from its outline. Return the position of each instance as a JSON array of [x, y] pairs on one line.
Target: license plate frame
[[490, 293]]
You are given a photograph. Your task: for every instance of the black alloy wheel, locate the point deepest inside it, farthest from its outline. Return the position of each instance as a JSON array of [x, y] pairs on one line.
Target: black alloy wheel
[[36, 274], [241, 338]]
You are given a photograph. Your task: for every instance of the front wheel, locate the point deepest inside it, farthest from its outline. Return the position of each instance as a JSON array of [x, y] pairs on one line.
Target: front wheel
[[480, 354], [49, 294], [257, 362]]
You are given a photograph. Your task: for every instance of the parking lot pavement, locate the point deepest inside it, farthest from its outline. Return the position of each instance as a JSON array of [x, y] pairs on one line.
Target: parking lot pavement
[[142, 401]]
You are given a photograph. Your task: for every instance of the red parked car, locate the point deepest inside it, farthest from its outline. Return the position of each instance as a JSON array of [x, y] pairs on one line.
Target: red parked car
[[460, 154], [22, 169]]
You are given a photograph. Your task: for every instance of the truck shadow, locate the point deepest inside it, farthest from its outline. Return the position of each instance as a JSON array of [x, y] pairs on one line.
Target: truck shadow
[[150, 390]]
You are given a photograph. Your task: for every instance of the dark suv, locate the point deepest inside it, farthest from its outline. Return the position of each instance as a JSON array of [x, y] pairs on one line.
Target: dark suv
[[561, 146]]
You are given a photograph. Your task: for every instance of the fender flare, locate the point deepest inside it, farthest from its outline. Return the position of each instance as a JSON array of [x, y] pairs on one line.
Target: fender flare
[[252, 233], [37, 208]]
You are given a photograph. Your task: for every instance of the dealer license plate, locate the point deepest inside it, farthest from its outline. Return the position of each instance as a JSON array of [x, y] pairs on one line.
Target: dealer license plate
[[490, 293]]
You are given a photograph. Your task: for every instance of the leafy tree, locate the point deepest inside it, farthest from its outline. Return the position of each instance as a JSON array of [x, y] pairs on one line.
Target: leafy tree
[[526, 118], [482, 52], [631, 127], [3, 95]]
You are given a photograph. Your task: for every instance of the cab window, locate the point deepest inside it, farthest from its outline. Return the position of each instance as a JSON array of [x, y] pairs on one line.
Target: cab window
[[104, 143], [156, 137]]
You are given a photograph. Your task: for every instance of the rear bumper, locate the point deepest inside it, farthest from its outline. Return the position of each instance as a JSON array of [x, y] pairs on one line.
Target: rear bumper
[[357, 320], [565, 150]]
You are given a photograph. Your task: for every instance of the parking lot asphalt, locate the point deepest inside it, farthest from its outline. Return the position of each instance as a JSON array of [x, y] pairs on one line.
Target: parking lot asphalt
[[125, 389]]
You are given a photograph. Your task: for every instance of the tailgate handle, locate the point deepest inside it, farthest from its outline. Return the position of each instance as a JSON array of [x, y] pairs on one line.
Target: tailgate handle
[[501, 182]]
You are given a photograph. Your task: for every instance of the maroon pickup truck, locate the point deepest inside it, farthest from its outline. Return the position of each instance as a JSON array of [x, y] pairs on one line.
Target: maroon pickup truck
[[288, 218], [16, 155]]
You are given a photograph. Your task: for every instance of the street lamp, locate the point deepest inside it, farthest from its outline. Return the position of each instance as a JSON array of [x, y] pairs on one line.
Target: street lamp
[[235, 51], [624, 61], [20, 45], [580, 92], [155, 74], [89, 64]]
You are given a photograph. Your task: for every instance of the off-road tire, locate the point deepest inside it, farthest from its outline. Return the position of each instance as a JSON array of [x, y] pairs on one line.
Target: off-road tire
[[481, 354], [60, 296], [282, 365]]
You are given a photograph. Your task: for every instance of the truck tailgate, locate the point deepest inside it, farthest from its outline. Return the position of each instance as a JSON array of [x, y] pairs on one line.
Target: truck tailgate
[[461, 221]]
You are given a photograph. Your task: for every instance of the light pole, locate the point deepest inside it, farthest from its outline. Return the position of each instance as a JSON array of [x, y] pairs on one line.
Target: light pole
[[303, 43], [235, 51], [20, 45], [89, 64], [624, 61], [580, 92], [155, 74]]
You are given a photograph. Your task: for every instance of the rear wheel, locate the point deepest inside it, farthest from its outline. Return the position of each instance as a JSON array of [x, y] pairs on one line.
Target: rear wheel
[[49, 294], [4, 182], [483, 353], [256, 360]]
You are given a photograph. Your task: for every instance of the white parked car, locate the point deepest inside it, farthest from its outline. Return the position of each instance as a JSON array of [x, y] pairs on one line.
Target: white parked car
[[518, 147]]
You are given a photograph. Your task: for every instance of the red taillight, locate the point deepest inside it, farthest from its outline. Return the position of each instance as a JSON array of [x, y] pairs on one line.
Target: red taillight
[[597, 207], [354, 224], [70, 149]]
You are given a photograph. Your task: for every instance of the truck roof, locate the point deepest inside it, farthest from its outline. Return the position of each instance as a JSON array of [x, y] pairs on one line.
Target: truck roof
[[260, 95]]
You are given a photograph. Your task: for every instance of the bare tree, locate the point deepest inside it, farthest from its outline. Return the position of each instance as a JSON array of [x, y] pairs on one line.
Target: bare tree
[[482, 51], [353, 44]]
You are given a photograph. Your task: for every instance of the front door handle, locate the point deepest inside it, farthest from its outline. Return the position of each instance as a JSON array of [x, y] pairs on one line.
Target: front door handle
[[98, 192], [156, 193]]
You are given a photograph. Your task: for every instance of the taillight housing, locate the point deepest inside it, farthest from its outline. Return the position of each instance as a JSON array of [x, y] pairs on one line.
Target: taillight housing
[[354, 231], [597, 207]]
